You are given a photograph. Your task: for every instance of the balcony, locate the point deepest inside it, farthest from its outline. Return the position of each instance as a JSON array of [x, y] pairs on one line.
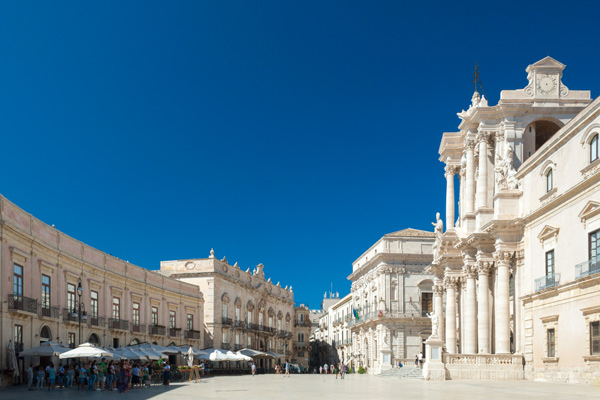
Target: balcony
[[18, 303], [587, 268], [237, 347], [547, 282], [96, 321], [46, 311], [239, 324], [253, 327], [137, 328], [174, 332], [157, 330], [70, 316], [195, 335], [263, 328], [288, 334], [118, 324], [227, 321], [306, 324], [225, 346], [280, 332]]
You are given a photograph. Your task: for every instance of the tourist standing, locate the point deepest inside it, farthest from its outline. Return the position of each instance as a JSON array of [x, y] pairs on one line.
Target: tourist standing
[[253, 368], [167, 374], [30, 377], [40, 378], [82, 377], [417, 360], [51, 377], [326, 368], [320, 370], [135, 377], [342, 371], [70, 376], [420, 356], [61, 375]]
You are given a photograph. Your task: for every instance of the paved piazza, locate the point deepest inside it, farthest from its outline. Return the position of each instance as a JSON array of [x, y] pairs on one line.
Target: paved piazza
[[319, 386]]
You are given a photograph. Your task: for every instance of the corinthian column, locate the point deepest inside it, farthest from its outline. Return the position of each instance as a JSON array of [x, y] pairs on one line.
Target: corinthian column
[[502, 303], [482, 178], [450, 171], [470, 329], [470, 177], [450, 285], [438, 306], [483, 317]]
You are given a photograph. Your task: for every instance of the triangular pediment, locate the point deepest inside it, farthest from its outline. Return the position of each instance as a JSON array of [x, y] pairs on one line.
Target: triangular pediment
[[547, 62], [547, 232], [591, 208]]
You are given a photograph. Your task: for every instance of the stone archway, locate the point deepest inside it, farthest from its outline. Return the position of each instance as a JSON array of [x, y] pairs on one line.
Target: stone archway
[[45, 334], [94, 339]]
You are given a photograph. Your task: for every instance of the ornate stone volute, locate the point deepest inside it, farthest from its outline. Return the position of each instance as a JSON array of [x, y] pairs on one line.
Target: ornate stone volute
[[451, 282], [470, 270], [438, 289]]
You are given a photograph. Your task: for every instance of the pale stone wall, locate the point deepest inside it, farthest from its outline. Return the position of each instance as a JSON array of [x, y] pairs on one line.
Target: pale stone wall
[[43, 250], [245, 291]]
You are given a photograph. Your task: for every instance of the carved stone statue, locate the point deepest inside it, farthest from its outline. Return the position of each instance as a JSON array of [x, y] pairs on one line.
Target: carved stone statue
[[503, 166], [439, 226], [434, 324]]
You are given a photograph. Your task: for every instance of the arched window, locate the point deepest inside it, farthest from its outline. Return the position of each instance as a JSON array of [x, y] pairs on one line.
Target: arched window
[[94, 339], [549, 183], [45, 334], [594, 148]]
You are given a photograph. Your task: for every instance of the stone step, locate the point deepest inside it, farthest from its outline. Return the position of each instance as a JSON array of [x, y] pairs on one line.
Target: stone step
[[403, 373]]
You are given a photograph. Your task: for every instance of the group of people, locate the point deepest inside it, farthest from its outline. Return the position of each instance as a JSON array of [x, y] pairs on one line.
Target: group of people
[[285, 369], [339, 370], [119, 376]]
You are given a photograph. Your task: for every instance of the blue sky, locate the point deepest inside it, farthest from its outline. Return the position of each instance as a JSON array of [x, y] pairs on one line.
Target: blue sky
[[293, 134]]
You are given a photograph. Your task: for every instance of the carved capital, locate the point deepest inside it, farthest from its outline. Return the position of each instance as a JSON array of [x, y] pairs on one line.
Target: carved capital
[[482, 137], [484, 267], [450, 282], [438, 290], [450, 170], [470, 144], [470, 270], [503, 256]]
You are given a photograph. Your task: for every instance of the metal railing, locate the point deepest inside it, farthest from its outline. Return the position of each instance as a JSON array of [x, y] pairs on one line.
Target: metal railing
[[225, 346], [174, 332], [590, 267], [252, 326], [137, 328], [237, 347], [119, 324], [191, 334], [17, 302], [157, 330], [306, 323], [227, 321], [47, 311], [96, 321], [547, 282], [239, 324], [70, 316]]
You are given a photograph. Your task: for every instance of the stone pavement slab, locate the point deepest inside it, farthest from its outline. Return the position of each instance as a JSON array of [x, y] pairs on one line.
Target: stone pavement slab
[[315, 387]]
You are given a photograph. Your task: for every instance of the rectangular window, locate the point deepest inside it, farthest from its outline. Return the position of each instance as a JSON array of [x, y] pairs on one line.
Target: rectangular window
[[190, 322], [71, 339], [551, 344], [270, 322], [18, 281], [249, 317], [549, 183], [595, 338], [136, 314], [116, 308], [225, 310], [550, 265], [426, 303], [94, 304], [301, 338], [115, 342], [172, 319], [594, 149], [279, 324], [300, 353], [18, 334], [71, 297], [154, 316], [237, 338], [224, 337], [260, 318], [594, 246], [301, 318], [249, 342], [45, 293], [237, 314]]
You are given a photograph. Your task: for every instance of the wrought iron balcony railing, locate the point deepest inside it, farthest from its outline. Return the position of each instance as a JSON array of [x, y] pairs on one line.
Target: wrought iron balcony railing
[[157, 330], [191, 335], [138, 328], [96, 321], [227, 321], [225, 346], [47, 311], [118, 324], [174, 332], [17, 302]]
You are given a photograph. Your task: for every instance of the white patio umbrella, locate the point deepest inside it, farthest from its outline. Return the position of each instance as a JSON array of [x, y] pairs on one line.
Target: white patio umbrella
[[86, 350], [255, 353], [218, 355], [238, 356], [47, 349], [275, 355], [12, 358], [150, 354], [129, 354], [161, 349]]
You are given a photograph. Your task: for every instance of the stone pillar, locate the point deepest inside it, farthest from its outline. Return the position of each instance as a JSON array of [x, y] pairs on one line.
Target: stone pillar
[[470, 177], [450, 285], [470, 329], [501, 301], [450, 206], [438, 306], [483, 304], [482, 177]]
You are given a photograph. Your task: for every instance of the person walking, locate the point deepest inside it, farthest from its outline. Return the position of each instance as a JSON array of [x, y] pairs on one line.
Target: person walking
[[30, 377], [326, 368], [287, 368], [342, 370], [167, 374], [320, 370], [69, 378], [253, 368], [61, 375], [420, 356], [82, 377]]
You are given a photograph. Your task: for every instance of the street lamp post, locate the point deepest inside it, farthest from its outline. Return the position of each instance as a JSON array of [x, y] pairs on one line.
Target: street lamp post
[[81, 315]]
